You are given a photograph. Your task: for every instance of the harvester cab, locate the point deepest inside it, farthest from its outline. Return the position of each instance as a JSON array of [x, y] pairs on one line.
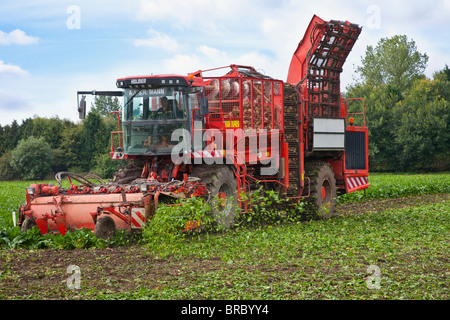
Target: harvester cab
[[155, 109]]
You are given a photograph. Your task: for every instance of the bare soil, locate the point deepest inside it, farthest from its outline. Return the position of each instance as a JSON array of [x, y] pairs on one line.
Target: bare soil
[[42, 274], [387, 204]]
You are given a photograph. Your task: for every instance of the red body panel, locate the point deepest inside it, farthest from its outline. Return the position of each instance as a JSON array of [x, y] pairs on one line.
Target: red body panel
[[298, 66], [77, 209], [358, 179]]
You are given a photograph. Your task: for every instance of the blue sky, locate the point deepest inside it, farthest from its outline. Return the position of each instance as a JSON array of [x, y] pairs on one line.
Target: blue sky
[[51, 49]]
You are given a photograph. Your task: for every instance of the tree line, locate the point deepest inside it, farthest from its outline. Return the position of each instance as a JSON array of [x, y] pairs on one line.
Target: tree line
[[40, 147], [408, 116]]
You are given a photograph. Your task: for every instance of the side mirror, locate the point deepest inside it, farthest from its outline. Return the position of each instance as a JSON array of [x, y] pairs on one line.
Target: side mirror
[[82, 107]]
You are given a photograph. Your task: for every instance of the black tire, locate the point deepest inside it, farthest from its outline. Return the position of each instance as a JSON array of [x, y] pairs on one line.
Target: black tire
[[321, 204], [105, 228], [28, 224], [222, 187]]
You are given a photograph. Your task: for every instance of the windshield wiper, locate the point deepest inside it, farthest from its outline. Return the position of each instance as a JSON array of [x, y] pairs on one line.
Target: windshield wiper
[[131, 98]]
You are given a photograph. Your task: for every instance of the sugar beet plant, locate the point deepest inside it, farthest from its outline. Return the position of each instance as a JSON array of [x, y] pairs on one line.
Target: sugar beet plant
[[174, 224], [175, 221], [14, 238]]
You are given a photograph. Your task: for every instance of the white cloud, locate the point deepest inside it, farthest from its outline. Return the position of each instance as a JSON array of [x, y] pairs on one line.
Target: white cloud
[[179, 12], [158, 40], [213, 56], [210, 17], [17, 37], [9, 69], [206, 57]]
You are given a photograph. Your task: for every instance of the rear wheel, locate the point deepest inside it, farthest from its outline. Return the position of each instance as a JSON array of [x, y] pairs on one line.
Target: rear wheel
[[222, 185], [105, 228], [322, 200]]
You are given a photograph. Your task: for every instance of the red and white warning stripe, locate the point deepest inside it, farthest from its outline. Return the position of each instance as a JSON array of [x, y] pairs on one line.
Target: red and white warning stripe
[[357, 182], [197, 154], [118, 155], [208, 154], [137, 218]]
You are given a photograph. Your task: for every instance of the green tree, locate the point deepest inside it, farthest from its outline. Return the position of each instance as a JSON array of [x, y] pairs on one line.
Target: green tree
[[7, 172], [32, 158], [381, 119], [105, 167], [409, 130], [395, 61], [71, 146], [446, 71], [94, 139], [10, 136], [105, 104], [49, 128], [26, 128], [423, 134]]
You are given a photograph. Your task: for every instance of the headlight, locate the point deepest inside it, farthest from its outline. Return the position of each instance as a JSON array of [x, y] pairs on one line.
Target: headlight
[[31, 191]]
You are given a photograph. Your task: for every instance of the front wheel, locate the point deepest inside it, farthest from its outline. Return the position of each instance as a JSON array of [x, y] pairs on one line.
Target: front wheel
[[105, 228], [28, 224], [323, 198]]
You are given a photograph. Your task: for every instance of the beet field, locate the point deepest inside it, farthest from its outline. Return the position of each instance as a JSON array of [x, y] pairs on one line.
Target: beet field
[[390, 242]]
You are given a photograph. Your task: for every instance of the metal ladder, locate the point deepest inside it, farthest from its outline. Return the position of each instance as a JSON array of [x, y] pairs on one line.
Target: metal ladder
[[325, 67]]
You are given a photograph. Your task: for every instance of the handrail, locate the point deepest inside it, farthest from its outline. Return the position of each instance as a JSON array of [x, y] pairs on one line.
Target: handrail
[[363, 113], [119, 133]]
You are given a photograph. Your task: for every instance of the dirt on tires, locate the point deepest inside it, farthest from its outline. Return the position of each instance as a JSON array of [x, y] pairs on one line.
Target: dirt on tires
[[43, 274]]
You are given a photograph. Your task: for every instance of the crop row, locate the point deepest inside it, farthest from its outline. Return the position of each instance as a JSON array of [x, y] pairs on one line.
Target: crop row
[[12, 194], [391, 186]]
